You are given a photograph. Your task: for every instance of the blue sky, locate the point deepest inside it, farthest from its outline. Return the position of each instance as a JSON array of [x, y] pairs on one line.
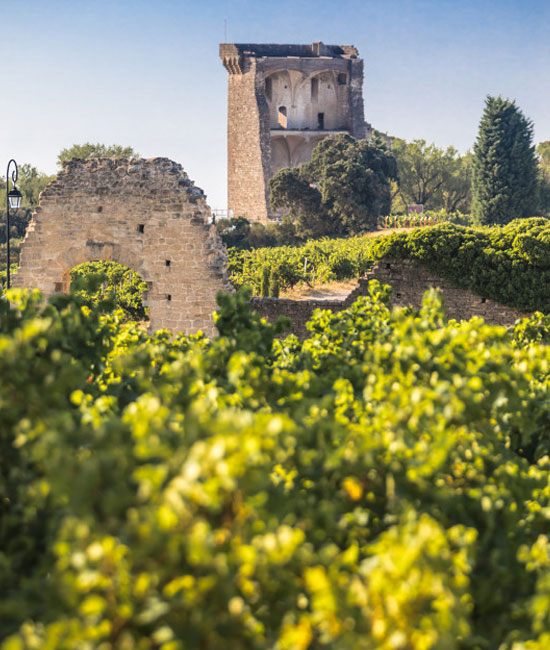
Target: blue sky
[[147, 73]]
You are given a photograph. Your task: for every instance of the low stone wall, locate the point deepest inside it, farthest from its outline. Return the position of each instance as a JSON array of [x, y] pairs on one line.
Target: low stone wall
[[409, 282], [299, 311]]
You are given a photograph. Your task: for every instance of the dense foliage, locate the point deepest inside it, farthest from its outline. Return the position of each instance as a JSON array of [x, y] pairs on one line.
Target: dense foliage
[[382, 485], [438, 179], [505, 173], [509, 264], [342, 190], [109, 285], [98, 150], [317, 261], [238, 232]]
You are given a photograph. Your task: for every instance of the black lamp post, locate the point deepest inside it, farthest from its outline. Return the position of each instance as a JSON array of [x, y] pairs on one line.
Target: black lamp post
[[13, 200]]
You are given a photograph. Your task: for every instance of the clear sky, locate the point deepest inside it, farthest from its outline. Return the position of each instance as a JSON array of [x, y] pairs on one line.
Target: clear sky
[[146, 73]]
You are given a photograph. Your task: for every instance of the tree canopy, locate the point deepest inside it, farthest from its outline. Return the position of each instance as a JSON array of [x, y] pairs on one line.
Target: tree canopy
[[89, 150], [505, 171], [341, 190], [439, 179]]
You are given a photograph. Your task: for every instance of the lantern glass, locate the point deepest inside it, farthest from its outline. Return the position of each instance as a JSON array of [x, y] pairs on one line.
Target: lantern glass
[[14, 198]]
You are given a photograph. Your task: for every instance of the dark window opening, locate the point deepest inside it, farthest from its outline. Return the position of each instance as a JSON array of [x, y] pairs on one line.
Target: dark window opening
[[141, 227], [167, 262], [388, 266], [321, 121], [484, 300], [314, 89], [58, 287], [282, 117], [168, 297], [268, 88], [100, 208], [342, 79]]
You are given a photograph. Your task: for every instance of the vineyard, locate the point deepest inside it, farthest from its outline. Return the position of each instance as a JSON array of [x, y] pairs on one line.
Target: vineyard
[[383, 484], [509, 264]]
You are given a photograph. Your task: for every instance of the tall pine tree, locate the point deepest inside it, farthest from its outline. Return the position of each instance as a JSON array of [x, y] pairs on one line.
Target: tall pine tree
[[504, 183]]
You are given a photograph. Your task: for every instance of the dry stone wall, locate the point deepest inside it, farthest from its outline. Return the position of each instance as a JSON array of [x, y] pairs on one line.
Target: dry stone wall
[[145, 214], [409, 282]]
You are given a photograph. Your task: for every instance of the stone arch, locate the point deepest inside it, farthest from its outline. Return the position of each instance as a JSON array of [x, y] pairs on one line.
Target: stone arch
[[140, 213], [107, 253], [325, 100]]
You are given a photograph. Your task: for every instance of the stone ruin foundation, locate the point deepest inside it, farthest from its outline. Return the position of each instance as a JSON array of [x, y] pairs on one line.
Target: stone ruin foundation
[[145, 214], [409, 281]]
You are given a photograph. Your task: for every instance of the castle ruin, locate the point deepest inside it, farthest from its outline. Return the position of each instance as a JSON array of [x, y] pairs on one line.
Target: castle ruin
[[145, 214], [282, 101]]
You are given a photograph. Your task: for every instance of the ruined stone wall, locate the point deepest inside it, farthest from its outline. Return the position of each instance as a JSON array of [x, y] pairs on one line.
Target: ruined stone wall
[[299, 311], [409, 282], [145, 214]]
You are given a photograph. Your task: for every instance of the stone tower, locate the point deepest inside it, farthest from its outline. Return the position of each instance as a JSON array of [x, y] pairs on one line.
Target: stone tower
[[282, 100]]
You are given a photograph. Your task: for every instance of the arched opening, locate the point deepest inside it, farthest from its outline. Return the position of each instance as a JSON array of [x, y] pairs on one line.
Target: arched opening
[[107, 285], [282, 119]]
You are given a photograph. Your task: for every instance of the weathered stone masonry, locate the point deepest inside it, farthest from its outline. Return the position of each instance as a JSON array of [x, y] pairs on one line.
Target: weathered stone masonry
[[409, 282], [145, 214], [282, 101]]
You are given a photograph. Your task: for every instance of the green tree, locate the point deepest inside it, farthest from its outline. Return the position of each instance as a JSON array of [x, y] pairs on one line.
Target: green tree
[[543, 151], [433, 177], [89, 150], [106, 285], [505, 173], [343, 189]]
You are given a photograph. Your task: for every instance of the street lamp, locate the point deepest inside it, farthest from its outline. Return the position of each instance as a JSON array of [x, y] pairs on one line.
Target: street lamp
[[13, 201]]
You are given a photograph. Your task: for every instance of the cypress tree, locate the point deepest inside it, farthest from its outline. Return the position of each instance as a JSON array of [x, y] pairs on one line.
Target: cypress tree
[[274, 283], [504, 183], [264, 285]]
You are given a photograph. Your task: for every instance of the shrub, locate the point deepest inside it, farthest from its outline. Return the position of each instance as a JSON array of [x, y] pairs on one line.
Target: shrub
[[382, 484]]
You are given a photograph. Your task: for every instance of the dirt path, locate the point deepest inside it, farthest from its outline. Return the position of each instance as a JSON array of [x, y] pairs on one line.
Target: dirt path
[[327, 291]]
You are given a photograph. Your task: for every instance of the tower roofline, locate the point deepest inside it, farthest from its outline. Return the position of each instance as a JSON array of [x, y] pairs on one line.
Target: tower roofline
[[316, 49]]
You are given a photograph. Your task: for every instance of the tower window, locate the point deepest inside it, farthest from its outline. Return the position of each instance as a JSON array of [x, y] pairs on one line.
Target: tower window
[[141, 227], [342, 79], [282, 117], [268, 88], [320, 121], [314, 89]]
